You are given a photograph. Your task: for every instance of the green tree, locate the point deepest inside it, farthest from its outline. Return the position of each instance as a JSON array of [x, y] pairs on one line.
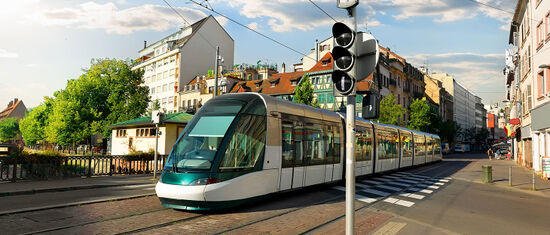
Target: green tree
[[33, 126], [108, 92], [9, 129], [448, 131], [390, 111], [155, 105], [420, 119], [303, 93]]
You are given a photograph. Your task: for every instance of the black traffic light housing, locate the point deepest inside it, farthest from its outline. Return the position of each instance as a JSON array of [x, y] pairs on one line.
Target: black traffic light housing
[[343, 55], [371, 105]]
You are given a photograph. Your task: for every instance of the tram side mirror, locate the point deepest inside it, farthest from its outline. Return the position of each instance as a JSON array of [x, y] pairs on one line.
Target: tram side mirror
[[371, 105]]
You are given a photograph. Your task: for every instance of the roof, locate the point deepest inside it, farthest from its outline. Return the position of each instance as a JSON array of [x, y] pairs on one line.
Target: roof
[[283, 83], [194, 28], [325, 63], [247, 86], [392, 55], [365, 84], [176, 118], [8, 111]]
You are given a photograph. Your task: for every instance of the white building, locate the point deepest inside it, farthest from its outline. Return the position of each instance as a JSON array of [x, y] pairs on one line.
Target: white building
[[175, 60], [201, 89], [464, 101], [138, 135]]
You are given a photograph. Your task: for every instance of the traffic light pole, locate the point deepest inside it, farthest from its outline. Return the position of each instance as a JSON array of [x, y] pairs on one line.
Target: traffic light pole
[[350, 148]]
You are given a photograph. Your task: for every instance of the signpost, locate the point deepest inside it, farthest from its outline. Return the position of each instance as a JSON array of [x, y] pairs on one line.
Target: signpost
[[157, 118], [355, 56]]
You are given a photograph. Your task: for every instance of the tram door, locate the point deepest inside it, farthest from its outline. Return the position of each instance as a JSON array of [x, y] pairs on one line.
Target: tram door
[[292, 173]]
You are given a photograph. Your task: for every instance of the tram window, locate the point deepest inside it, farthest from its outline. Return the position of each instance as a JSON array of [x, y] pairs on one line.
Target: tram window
[[298, 134], [246, 145], [329, 140], [368, 144], [394, 144], [336, 145], [419, 145], [406, 145], [288, 148], [315, 149], [360, 144], [437, 146]]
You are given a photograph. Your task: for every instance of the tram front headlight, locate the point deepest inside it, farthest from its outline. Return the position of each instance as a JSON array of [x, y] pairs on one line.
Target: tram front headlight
[[204, 181]]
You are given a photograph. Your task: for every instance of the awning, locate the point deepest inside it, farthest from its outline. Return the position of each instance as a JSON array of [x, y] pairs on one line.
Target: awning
[[539, 117]]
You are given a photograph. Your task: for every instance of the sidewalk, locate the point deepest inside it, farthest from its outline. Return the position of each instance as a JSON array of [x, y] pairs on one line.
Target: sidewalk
[[41, 186], [522, 178]]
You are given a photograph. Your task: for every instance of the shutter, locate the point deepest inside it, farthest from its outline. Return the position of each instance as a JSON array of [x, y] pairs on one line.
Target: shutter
[[547, 81]]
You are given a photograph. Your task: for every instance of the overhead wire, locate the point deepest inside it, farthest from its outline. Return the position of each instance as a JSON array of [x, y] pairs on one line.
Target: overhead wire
[[323, 11], [255, 31], [178, 13]]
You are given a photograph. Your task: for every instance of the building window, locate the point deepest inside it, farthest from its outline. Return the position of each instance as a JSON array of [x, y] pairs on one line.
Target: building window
[[121, 133], [540, 35], [153, 90], [183, 103], [398, 99], [540, 84], [260, 76], [529, 98], [272, 84], [547, 25], [293, 83]]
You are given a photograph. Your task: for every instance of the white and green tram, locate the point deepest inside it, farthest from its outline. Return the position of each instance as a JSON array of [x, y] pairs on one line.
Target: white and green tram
[[243, 147]]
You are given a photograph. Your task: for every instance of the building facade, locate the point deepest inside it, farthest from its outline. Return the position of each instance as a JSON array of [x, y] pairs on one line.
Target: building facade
[[175, 60], [528, 81], [15, 109]]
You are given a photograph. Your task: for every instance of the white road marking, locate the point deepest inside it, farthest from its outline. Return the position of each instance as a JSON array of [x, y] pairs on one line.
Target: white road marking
[[400, 184], [438, 183], [371, 182], [421, 190], [409, 181], [428, 186], [443, 180], [389, 187], [412, 195], [399, 202], [365, 198], [341, 188], [376, 192]]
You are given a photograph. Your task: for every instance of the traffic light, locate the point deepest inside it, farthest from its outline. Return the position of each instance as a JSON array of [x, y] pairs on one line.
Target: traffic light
[[355, 56], [371, 105]]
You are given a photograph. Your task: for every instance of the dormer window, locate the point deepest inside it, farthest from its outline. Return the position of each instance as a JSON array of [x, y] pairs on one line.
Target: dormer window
[[257, 85], [325, 62], [293, 83], [273, 84]]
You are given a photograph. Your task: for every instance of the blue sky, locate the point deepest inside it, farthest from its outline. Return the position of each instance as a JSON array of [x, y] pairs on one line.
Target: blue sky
[[44, 42]]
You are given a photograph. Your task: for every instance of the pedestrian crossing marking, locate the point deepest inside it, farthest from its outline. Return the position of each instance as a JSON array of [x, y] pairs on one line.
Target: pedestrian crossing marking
[[399, 184], [371, 182], [443, 180], [399, 202], [365, 198], [362, 185], [427, 186], [408, 181], [426, 191], [340, 188], [439, 183], [412, 195], [388, 187], [375, 192]]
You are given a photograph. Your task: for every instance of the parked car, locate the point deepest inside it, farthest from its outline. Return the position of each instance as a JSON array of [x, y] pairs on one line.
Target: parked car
[[460, 148]]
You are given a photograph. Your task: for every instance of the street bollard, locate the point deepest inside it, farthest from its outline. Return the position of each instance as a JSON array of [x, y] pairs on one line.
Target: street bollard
[[510, 176], [534, 188], [487, 176]]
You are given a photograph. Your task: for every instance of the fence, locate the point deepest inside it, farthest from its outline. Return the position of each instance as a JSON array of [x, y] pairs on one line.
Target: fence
[[12, 169]]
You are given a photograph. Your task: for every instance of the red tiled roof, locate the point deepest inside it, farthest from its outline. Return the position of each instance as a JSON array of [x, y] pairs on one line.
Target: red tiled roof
[[283, 83], [325, 63], [247, 86], [365, 84]]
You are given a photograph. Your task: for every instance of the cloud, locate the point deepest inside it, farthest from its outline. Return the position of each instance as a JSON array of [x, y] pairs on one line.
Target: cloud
[[109, 17], [253, 25], [478, 72], [7, 54], [32, 65]]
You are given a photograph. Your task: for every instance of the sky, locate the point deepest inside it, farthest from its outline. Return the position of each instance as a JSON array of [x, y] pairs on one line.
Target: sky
[[44, 43]]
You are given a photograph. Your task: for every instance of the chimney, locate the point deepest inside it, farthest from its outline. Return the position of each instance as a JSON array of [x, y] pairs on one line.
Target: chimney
[[316, 51], [283, 70], [10, 103], [144, 44], [15, 100]]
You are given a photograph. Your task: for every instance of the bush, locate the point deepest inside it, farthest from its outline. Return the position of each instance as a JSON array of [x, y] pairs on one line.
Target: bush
[[140, 156]]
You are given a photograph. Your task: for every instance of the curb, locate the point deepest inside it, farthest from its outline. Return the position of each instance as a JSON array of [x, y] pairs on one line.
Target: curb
[[63, 189]]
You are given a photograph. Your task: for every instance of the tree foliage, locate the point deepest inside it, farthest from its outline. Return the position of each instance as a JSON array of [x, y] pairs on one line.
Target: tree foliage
[[419, 115], [33, 126], [448, 130], [303, 93], [9, 129], [108, 92], [390, 111]]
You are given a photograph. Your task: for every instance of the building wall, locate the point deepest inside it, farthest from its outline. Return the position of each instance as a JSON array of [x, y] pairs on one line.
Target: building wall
[[121, 145], [324, 47]]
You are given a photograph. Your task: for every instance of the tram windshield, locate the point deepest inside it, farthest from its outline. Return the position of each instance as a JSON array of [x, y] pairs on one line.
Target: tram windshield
[[197, 148]]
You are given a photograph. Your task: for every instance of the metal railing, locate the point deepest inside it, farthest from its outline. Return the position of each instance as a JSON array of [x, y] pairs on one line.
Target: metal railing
[[13, 169]]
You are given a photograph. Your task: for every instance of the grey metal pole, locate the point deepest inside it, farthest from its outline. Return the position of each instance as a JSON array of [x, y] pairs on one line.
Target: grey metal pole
[[156, 150], [510, 176], [216, 71], [534, 186], [350, 150]]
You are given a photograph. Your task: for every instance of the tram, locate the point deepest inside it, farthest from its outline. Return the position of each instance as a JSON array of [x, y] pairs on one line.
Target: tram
[[243, 147]]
